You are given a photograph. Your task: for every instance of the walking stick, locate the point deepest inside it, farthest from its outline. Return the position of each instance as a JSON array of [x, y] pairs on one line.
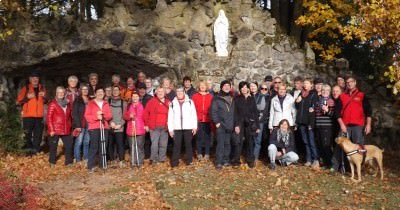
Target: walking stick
[[103, 146], [135, 142]]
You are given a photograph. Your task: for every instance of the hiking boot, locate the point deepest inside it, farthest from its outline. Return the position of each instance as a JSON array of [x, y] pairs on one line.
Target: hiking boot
[[272, 166], [251, 165], [308, 164], [200, 157]]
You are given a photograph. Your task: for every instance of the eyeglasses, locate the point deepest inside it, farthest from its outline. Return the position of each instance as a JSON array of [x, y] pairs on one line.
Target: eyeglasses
[[264, 88]]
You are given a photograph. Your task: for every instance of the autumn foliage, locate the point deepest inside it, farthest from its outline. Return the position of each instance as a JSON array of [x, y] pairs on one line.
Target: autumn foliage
[[17, 194], [335, 23]]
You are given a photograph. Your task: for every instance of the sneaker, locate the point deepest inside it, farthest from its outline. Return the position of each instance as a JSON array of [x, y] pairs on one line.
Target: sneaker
[[206, 157], [121, 164], [315, 164], [308, 164], [91, 171], [52, 165], [200, 157], [332, 171], [227, 164], [219, 166], [282, 163], [272, 166]]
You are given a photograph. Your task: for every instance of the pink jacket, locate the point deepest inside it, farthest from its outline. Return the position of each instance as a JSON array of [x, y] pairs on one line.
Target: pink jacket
[[137, 110]]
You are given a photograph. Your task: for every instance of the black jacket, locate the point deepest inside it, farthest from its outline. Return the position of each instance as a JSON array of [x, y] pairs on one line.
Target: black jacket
[[191, 92], [246, 112], [222, 111], [303, 115], [264, 114], [78, 112], [146, 98], [280, 144]]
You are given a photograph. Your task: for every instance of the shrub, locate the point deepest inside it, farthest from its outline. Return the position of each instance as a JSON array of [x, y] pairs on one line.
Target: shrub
[[17, 194], [12, 133]]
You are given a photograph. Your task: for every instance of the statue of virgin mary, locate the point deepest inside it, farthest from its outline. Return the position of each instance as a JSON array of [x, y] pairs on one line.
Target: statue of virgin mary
[[221, 32]]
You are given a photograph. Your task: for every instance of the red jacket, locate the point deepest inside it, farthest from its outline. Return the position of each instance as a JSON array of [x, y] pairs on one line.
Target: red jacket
[[353, 113], [57, 120], [156, 113], [202, 104], [91, 114]]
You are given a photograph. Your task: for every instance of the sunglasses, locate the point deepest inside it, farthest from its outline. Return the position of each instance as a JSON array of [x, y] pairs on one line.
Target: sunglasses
[[264, 88]]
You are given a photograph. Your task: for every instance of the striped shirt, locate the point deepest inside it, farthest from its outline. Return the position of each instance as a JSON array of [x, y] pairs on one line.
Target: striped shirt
[[322, 118]]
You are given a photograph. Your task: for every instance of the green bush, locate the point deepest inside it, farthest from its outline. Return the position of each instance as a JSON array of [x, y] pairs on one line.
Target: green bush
[[11, 131]]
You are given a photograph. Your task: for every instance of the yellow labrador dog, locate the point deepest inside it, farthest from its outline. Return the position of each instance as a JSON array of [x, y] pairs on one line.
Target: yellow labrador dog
[[355, 154]]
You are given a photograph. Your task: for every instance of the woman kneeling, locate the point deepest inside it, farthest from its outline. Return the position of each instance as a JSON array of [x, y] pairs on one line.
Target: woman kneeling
[[282, 145]]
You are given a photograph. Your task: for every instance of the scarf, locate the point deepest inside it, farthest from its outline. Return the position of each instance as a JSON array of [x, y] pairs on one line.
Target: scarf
[[283, 136], [305, 93], [62, 102]]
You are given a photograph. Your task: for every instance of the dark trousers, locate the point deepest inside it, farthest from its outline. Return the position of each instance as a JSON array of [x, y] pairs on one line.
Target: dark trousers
[[116, 139], [245, 136], [179, 136], [223, 145], [356, 134], [95, 147], [68, 148], [203, 138], [324, 138], [33, 129]]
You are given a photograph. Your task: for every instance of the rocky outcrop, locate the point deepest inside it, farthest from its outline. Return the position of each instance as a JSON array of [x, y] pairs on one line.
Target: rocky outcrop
[[177, 37]]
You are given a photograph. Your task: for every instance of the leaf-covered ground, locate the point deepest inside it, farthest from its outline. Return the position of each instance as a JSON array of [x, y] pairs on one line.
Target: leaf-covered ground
[[200, 186]]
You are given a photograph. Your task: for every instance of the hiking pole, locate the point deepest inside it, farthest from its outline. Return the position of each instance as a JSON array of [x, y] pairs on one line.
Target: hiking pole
[[103, 145], [135, 142]]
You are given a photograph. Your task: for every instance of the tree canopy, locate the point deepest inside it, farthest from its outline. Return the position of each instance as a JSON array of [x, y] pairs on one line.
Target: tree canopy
[[340, 25]]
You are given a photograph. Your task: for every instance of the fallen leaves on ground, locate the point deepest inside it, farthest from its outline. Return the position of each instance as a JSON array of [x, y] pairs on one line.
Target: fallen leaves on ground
[[201, 186]]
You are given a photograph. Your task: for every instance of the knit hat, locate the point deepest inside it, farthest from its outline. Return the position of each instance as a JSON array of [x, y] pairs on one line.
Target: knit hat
[[35, 73], [224, 83], [318, 81], [141, 85], [268, 78]]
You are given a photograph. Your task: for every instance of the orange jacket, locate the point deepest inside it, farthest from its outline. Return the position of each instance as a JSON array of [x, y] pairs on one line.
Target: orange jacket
[[127, 95], [33, 107]]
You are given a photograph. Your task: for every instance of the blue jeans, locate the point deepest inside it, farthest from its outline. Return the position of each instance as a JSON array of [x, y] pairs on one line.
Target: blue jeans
[[307, 134], [257, 143], [82, 138], [203, 138], [289, 157]]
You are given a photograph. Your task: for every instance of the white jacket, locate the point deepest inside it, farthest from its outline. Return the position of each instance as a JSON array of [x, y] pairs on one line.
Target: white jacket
[[187, 113], [276, 113]]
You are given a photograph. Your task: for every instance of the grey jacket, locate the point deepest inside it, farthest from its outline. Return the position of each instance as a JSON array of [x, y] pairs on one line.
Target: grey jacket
[[117, 113]]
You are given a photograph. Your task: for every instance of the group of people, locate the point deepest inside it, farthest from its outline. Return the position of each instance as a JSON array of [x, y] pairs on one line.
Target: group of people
[[99, 122]]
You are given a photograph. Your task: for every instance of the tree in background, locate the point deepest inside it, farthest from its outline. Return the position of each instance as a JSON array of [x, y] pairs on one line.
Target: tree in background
[[357, 28]]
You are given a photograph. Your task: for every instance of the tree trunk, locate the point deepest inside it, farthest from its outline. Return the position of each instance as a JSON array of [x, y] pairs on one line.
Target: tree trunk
[[275, 9], [82, 10], [295, 30], [284, 15]]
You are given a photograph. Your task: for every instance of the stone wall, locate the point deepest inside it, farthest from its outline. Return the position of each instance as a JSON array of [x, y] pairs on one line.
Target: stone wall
[[177, 37]]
